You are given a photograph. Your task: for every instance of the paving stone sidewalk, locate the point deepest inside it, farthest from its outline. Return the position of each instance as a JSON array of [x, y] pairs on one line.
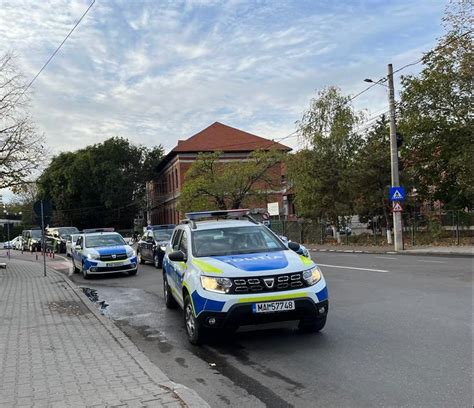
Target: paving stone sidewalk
[[56, 350]]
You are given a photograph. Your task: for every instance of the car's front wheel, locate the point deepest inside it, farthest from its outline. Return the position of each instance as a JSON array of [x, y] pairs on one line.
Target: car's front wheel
[[139, 258], [194, 329], [85, 275], [312, 325], [133, 273], [75, 269]]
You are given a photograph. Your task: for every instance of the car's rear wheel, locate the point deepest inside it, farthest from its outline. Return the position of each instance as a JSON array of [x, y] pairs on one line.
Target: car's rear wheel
[[139, 258], [170, 301], [312, 325], [194, 329], [157, 261]]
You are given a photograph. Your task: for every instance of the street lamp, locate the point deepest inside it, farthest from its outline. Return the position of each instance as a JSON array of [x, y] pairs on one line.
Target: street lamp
[[379, 82]]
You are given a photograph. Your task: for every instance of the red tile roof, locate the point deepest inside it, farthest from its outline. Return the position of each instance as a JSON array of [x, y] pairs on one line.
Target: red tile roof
[[220, 137]]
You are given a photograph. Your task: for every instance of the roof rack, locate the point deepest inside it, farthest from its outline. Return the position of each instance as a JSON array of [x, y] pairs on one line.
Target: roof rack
[[192, 217]]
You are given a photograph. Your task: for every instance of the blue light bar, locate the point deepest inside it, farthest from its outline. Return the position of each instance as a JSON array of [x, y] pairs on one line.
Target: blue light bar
[[202, 215]]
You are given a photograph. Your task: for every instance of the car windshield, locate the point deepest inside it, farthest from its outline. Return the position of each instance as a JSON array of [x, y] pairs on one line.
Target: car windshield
[[236, 240], [104, 240], [36, 233], [162, 235]]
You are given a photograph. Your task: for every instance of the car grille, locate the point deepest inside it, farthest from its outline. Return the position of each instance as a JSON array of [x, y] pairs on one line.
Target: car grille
[[271, 283], [118, 257]]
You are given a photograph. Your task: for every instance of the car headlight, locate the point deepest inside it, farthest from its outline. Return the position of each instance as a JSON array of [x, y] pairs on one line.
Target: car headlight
[[219, 285], [312, 276], [130, 253], [93, 256]]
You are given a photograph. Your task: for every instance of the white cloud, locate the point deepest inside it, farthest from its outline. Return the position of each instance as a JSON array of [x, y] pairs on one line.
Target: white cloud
[[156, 72]]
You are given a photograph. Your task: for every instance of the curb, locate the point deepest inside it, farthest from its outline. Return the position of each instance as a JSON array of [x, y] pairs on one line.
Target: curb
[[186, 395], [438, 254]]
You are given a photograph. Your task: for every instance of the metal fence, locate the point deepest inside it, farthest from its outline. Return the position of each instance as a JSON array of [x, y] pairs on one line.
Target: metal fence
[[420, 228]]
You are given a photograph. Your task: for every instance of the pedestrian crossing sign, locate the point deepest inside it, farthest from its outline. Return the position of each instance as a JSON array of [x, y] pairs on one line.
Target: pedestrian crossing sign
[[397, 194], [397, 207]]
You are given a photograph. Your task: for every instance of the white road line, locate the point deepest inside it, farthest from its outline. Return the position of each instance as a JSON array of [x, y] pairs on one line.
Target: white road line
[[422, 260], [385, 257], [353, 267]]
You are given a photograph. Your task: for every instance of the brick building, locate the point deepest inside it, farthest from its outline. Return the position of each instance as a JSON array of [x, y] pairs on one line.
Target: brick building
[[235, 144]]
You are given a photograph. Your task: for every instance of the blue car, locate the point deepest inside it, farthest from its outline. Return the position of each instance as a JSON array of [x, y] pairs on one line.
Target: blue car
[[103, 252]]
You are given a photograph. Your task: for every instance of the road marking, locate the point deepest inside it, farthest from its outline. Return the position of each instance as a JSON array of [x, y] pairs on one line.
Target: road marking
[[353, 267], [422, 260], [385, 257]]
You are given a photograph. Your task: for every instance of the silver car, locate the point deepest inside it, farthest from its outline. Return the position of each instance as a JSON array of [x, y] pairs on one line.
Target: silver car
[[71, 243]]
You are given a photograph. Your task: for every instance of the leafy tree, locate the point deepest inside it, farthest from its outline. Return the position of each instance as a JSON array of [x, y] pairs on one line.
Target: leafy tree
[[100, 185], [21, 147], [436, 116], [213, 184], [371, 172], [320, 173]]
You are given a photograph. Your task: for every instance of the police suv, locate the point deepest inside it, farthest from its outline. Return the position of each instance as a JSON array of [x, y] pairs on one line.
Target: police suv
[[101, 251], [226, 272]]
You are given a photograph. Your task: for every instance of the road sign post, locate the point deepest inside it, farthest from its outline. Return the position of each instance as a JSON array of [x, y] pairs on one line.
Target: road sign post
[[43, 209]]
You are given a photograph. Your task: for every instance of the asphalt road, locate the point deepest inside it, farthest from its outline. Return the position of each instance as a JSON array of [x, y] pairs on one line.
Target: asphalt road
[[399, 334]]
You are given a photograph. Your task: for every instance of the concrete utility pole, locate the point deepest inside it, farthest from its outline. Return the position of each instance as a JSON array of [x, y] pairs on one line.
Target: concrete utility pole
[[397, 216]]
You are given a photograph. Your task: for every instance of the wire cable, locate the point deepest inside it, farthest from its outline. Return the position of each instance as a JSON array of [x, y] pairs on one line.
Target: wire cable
[[54, 53]]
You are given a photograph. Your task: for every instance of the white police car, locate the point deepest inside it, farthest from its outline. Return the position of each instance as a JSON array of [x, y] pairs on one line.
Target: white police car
[[226, 273], [103, 251]]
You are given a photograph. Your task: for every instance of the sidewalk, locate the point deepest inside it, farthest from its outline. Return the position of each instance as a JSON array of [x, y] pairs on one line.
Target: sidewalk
[[422, 250], [56, 350]]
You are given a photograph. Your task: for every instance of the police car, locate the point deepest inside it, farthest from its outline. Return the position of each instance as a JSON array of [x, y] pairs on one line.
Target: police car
[[227, 272], [101, 251]]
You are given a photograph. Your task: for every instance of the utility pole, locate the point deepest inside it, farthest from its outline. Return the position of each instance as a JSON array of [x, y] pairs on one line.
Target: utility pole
[[397, 216]]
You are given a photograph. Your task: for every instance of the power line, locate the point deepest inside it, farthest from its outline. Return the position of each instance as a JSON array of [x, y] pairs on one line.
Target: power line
[[54, 53]]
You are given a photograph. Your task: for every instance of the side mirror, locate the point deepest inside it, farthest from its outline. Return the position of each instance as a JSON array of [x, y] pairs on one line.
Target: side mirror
[[78, 247], [177, 256], [294, 246]]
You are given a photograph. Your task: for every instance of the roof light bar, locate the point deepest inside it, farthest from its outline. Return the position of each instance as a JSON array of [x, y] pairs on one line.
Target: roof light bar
[[91, 230], [202, 215]]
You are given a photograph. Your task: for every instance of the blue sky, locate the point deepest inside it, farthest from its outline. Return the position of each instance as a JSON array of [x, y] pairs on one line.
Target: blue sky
[[158, 71]]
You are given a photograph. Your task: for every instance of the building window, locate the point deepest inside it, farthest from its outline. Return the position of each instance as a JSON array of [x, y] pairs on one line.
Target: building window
[[176, 178]]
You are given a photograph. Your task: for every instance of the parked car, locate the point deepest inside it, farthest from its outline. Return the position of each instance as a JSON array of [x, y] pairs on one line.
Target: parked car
[[19, 243], [31, 239], [225, 273], [152, 245], [103, 252], [14, 242], [7, 245], [71, 243], [55, 238]]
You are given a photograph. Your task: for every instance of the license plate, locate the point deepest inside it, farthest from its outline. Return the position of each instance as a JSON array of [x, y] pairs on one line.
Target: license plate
[[111, 264], [270, 307]]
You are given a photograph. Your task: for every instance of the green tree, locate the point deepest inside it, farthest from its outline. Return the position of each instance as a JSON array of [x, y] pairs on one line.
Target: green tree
[[100, 185], [436, 116], [370, 173], [213, 184], [320, 173]]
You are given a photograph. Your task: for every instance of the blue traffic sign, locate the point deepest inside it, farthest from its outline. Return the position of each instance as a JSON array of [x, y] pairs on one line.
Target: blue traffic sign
[[397, 194]]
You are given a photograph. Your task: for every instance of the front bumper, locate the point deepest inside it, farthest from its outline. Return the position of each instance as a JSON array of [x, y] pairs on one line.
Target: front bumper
[[99, 267], [242, 314]]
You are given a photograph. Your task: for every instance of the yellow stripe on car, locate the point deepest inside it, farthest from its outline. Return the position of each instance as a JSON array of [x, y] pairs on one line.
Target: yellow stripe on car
[[274, 297], [306, 261], [206, 267]]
